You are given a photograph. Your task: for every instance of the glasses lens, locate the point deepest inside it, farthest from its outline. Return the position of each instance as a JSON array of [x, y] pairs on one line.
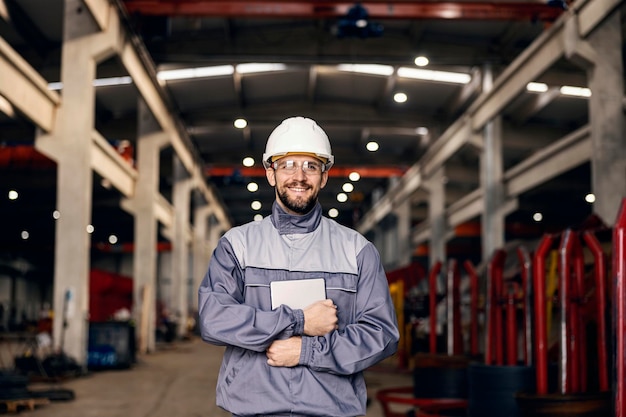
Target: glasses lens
[[311, 167], [289, 166]]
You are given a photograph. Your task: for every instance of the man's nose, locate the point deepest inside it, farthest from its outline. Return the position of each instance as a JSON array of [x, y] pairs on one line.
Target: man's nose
[[299, 172]]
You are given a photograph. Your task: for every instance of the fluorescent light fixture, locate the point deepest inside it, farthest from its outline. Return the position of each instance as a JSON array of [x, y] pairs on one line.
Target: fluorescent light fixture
[[100, 82], [107, 82], [372, 69], [253, 67], [200, 72], [430, 75], [537, 87], [567, 90]]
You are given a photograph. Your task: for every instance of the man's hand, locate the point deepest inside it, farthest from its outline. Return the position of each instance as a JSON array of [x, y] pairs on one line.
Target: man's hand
[[320, 318], [284, 352]]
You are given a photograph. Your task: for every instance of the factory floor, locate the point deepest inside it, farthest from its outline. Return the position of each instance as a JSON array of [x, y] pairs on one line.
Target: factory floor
[[177, 380]]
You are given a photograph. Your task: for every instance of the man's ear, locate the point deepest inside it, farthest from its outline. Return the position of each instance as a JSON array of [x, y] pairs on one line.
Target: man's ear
[[324, 179], [270, 174]]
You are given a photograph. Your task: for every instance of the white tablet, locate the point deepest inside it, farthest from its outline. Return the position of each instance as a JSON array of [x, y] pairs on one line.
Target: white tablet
[[297, 293]]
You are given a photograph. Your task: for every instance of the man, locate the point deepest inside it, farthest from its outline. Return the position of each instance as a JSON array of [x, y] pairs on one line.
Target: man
[[296, 361]]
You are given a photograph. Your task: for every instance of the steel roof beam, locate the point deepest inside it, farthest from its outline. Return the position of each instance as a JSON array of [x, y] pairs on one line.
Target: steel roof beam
[[328, 9]]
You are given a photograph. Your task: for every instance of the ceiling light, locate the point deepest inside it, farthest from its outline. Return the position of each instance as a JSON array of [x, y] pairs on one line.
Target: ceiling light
[[90, 229], [400, 98], [567, 90], [25, 235], [112, 239], [186, 73], [372, 146], [256, 205], [590, 198], [342, 197], [347, 187], [56, 214], [430, 75], [253, 187], [253, 67], [537, 217], [333, 212], [422, 131], [372, 69], [421, 61], [258, 217], [354, 176], [248, 161], [13, 195], [240, 123], [537, 87]]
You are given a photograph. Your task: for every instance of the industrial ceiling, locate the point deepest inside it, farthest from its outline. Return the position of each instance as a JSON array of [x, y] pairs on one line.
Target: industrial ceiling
[[325, 66]]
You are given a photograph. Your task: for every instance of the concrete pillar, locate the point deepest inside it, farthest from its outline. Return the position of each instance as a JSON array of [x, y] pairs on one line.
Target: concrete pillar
[[70, 145], [606, 116], [201, 253], [181, 197], [491, 175], [149, 143], [437, 216], [403, 232]]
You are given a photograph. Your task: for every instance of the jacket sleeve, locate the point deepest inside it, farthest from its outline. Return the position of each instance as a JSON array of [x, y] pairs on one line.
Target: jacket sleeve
[[371, 338], [224, 319]]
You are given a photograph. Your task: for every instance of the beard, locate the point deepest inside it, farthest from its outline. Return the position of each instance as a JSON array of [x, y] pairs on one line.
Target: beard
[[297, 205]]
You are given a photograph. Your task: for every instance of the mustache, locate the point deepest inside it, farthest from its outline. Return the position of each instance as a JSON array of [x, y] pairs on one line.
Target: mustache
[[302, 184]]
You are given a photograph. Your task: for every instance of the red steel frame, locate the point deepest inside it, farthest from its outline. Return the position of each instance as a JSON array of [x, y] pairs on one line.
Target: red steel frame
[[600, 283], [541, 331], [494, 318], [455, 336], [432, 298], [619, 309], [524, 260], [473, 277]]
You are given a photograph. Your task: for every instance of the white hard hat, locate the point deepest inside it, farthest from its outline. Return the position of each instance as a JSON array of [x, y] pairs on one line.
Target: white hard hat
[[298, 135]]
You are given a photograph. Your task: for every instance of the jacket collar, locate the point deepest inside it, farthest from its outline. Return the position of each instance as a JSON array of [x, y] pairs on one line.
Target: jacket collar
[[287, 223]]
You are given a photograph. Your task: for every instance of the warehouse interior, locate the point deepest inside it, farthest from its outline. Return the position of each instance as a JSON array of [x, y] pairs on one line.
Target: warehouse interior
[[476, 128]]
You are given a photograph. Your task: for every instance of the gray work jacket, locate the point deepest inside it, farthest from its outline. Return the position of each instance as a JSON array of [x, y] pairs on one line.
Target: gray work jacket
[[235, 311]]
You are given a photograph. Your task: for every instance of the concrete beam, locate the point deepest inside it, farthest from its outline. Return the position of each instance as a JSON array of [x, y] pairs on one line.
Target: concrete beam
[[110, 165], [26, 90]]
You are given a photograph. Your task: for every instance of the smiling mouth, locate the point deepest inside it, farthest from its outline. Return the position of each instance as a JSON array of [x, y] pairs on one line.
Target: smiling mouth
[[298, 189]]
